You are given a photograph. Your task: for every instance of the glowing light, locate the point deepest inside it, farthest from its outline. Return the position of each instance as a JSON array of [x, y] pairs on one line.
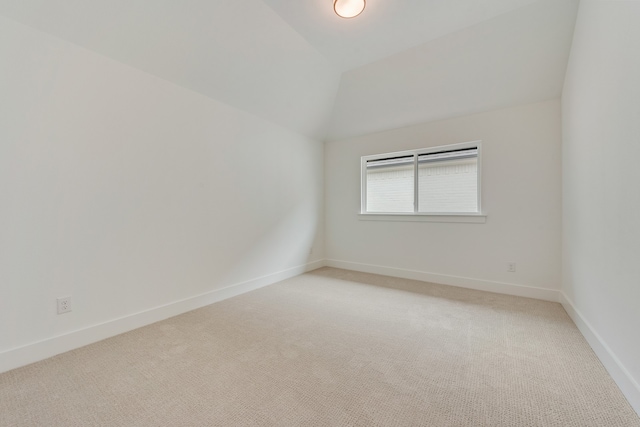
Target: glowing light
[[349, 8]]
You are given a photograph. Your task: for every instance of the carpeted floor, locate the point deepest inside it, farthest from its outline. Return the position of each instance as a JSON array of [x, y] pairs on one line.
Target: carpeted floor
[[331, 348]]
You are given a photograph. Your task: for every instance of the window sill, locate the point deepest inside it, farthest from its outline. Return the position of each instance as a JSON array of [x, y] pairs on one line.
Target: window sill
[[409, 217]]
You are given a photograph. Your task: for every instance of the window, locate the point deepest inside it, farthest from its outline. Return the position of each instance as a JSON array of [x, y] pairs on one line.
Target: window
[[441, 180]]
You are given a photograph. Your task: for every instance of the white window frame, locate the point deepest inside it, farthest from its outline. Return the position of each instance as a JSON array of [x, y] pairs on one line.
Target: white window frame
[[477, 216]]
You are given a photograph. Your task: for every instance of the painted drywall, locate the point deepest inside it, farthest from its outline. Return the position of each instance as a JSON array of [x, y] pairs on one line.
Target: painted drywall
[[601, 185], [521, 196], [516, 58], [128, 192], [239, 52], [386, 27]]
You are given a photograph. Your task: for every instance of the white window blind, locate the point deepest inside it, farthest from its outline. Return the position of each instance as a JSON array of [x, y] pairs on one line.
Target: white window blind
[[438, 180], [390, 184], [448, 181]]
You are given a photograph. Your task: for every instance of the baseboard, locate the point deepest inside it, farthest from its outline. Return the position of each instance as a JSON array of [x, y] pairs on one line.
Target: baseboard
[[627, 384], [34, 352], [443, 279]]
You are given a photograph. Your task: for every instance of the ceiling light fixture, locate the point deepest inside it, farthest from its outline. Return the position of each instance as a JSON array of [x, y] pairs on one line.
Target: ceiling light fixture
[[349, 8]]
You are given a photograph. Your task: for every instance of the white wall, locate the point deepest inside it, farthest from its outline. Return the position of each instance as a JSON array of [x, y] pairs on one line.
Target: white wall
[[129, 193], [601, 185], [521, 195]]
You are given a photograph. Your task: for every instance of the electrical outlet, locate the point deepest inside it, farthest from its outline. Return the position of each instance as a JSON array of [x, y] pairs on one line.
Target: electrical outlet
[[64, 305], [511, 267]]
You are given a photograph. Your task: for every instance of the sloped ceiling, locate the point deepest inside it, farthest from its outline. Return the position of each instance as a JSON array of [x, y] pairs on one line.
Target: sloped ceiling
[[239, 52], [516, 58], [400, 62], [386, 27]]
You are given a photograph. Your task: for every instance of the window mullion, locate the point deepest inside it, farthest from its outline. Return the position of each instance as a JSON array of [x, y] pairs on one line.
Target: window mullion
[[363, 185], [415, 183]]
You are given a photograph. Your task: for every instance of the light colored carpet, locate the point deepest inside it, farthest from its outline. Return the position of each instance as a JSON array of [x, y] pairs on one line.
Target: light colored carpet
[[331, 348]]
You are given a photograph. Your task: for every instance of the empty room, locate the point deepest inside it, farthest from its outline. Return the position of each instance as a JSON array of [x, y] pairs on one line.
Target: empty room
[[320, 213]]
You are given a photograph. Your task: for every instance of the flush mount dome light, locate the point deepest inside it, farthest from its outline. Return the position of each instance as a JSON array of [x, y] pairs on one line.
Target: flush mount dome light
[[349, 8]]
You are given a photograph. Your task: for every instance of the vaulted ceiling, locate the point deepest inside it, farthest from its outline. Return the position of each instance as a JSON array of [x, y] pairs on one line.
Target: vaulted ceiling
[[386, 27], [297, 64], [515, 58]]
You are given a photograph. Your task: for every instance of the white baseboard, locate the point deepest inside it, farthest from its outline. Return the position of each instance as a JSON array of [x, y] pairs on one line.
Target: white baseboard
[[443, 279], [34, 352], [628, 385]]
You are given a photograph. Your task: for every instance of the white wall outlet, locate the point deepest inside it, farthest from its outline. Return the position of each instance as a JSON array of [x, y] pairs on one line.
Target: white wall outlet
[[64, 305], [511, 267]]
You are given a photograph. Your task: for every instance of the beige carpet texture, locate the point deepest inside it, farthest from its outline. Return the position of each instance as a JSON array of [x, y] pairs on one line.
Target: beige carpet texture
[[331, 348]]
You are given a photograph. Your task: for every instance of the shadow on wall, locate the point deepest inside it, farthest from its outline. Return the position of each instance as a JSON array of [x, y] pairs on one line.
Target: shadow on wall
[[286, 244]]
